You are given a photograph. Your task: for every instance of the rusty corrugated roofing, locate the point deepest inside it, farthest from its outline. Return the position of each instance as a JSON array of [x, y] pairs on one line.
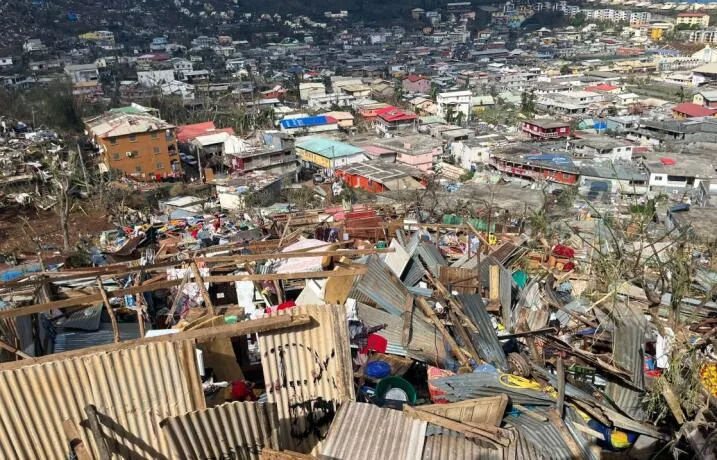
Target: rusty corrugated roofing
[[363, 431], [308, 373], [133, 389], [231, 430]]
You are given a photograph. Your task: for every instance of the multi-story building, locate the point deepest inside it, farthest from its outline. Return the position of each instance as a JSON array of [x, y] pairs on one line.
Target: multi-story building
[[416, 84], [455, 102], [704, 36], [546, 129], [136, 143], [693, 19]]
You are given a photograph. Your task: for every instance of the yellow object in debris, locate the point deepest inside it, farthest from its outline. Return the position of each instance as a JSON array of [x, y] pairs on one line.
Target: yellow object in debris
[[492, 239], [708, 377], [514, 381]]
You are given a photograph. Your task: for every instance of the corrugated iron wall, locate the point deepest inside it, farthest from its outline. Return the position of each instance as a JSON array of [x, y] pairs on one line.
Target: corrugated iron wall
[[308, 373], [363, 431], [132, 388], [231, 430]]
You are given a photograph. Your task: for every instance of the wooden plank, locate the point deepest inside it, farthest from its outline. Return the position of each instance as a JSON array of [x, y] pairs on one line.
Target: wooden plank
[[431, 315], [139, 301], [124, 270], [560, 369], [11, 349], [555, 418], [494, 284], [254, 326], [94, 298], [199, 281], [271, 454], [407, 320], [110, 310], [72, 435], [96, 429], [468, 429]]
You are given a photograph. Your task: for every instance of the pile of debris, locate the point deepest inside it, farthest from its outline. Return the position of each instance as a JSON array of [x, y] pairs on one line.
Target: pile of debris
[[354, 336]]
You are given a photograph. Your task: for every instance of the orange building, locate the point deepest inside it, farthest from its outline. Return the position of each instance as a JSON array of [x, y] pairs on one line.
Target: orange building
[[136, 143]]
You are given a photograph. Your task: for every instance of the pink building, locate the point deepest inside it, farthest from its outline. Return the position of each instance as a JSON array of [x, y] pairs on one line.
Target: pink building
[[417, 84], [418, 150]]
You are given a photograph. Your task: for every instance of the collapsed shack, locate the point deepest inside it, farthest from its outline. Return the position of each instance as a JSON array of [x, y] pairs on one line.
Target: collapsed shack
[[353, 335]]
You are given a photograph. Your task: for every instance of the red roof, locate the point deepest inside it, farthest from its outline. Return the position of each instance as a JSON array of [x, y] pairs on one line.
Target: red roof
[[186, 133], [692, 15], [601, 87], [693, 110], [383, 110], [414, 78], [667, 161], [396, 115]]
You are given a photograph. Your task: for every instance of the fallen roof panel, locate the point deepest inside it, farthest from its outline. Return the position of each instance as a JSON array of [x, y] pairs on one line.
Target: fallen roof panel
[[363, 431]]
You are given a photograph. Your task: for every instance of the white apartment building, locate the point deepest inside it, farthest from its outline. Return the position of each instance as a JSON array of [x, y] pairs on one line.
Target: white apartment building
[[611, 15], [459, 101], [704, 36]]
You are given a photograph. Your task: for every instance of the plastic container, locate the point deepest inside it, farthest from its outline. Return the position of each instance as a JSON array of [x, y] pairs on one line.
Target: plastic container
[[396, 389], [377, 369]]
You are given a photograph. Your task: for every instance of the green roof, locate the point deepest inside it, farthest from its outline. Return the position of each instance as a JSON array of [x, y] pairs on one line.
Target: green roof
[[328, 148]]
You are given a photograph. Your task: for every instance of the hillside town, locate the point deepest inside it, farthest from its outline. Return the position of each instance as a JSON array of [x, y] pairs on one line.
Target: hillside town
[[421, 230]]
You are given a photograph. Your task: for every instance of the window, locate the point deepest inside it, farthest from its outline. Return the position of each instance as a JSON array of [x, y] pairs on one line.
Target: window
[[113, 141], [159, 166], [116, 156], [658, 178], [133, 138], [154, 135], [138, 168], [156, 150]]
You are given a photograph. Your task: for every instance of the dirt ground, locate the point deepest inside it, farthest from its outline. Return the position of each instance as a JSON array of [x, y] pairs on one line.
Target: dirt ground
[[86, 220]]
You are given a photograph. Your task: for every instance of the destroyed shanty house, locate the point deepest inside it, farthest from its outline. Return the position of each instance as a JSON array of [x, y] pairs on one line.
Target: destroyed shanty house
[[350, 332]]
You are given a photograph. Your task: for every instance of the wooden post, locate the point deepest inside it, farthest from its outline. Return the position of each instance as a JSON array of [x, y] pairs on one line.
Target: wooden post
[[455, 349], [202, 289], [494, 285], [94, 422], [139, 300], [407, 320], [560, 367], [110, 311], [73, 437]]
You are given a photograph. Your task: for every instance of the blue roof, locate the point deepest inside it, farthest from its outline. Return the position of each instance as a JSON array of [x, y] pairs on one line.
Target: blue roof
[[559, 159], [305, 122], [328, 148]]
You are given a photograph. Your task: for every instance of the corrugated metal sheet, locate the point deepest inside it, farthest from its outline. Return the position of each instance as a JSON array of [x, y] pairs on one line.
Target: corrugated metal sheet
[[87, 319], [231, 430], [377, 287], [75, 340], [542, 435], [308, 373], [133, 390], [486, 340], [432, 257], [629, 352], [413, 242], [426, 343], [413, 273], [445, 444], [461, 387], [482, 410], [363, 431]]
